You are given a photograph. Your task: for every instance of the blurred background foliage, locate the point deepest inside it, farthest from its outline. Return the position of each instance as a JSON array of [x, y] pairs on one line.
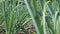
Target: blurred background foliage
[[29, 16]]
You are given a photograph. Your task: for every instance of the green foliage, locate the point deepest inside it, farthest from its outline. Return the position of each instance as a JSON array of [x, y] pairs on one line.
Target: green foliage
[[16, 14]]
